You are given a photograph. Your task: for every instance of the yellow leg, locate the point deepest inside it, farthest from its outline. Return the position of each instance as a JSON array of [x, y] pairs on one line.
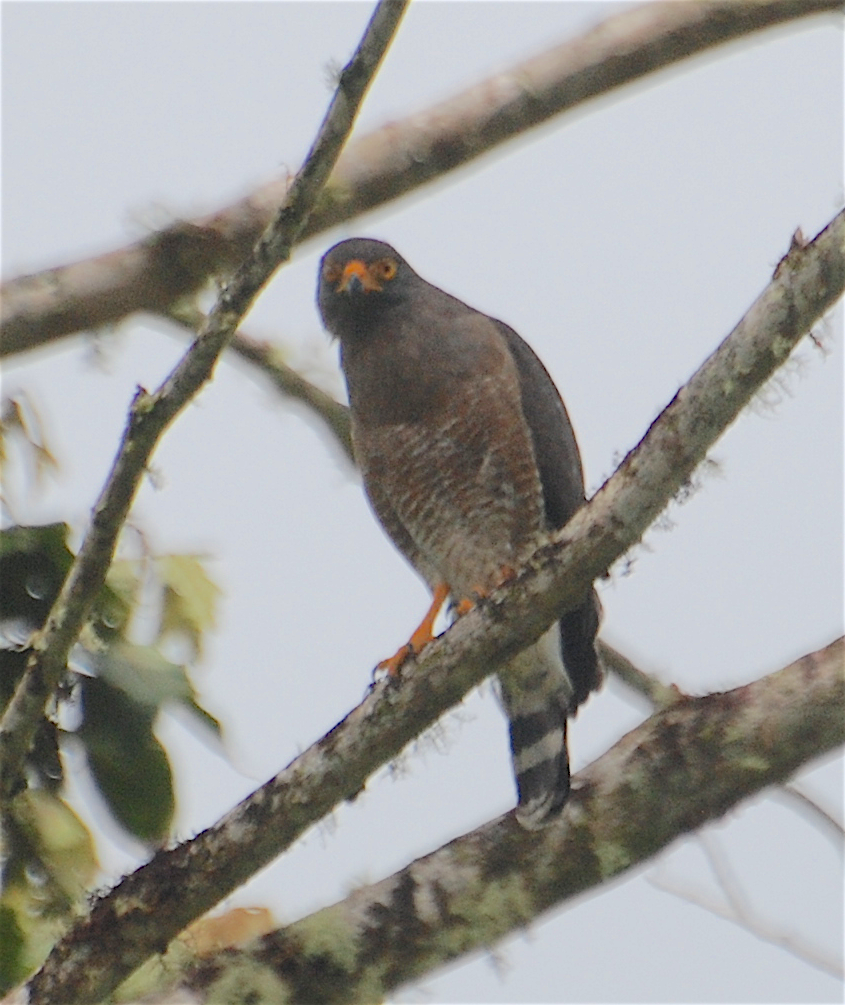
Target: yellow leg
[[507, 572], [421, 637]]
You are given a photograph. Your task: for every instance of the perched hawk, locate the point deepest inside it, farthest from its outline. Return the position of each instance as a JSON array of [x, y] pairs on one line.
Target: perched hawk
[[467, 454]]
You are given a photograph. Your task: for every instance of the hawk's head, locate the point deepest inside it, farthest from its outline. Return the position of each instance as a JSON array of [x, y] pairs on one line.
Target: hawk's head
[[359, 279]]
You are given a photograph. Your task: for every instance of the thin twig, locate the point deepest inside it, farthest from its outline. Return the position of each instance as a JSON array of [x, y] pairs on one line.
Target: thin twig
[[725, 876], [658, 694], [739, 912], [154, 903], [384, 165], [266, 357], [151, 414], [810, 808]]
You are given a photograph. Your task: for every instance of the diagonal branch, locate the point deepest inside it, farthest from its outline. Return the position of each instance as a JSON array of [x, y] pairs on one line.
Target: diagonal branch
[[266, 357], [823, 820], [741, 913], [151, 414], [683, 767], [148, 908], [384, 165], [656, 693]]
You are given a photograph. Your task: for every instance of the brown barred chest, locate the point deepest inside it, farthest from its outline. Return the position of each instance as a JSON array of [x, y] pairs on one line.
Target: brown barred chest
[[461, 485]]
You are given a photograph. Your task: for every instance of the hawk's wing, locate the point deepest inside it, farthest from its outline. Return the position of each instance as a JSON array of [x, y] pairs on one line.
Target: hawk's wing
[[561, 475]]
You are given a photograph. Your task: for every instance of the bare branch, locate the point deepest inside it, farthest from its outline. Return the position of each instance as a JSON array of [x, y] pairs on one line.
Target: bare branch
[[267, 358], [151, 414], [658, 694], [686, 765], [149, 907], [388, 163], [816, 814], [725, 877], [739, 912]]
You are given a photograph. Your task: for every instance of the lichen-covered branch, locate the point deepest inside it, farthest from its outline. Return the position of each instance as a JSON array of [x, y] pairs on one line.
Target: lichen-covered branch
[[267, 358], [179, 260], [151, 414], [686, 765], [148, 908]]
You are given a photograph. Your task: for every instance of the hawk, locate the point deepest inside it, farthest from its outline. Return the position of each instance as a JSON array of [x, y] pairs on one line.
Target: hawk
[[467, 455]]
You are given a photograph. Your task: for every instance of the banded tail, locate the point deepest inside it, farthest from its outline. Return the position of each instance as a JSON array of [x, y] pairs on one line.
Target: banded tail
[[541, 688]]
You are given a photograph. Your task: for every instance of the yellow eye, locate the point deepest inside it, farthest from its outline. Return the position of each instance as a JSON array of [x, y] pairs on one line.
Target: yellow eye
[[384, 268]]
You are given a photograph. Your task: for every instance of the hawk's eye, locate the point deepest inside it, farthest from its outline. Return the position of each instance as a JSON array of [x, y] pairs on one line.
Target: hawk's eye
[[332, 272], [384, 268]]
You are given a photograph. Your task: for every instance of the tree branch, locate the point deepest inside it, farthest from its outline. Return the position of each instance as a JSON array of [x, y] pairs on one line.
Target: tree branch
[[267, 358], [390, 162], [740, 912], [151, 414], [656, 693], [815, 814], [149, 907], [686, 765]]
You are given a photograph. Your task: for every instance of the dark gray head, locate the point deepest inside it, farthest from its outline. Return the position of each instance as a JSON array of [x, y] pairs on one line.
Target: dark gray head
[[359, 280]]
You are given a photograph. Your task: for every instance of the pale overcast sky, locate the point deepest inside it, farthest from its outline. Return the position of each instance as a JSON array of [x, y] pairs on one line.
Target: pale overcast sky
[[623, 242]]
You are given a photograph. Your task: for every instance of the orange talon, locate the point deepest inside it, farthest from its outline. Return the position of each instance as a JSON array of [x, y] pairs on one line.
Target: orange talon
[[392, 664], [507, 572], [421, 637]]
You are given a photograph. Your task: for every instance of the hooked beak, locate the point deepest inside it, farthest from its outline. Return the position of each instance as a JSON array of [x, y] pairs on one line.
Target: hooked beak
[[356, 278]]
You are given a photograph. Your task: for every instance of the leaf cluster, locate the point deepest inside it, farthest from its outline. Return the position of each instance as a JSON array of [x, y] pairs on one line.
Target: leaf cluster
[[106, 707]]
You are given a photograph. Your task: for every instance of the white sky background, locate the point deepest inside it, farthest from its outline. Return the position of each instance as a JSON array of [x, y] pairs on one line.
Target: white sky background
[[623, 242]]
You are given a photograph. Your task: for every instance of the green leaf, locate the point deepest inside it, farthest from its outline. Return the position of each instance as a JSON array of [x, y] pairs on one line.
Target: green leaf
[[123, 578], [49, 865], [58, 839], [117, 599], [13, 968], [128, 764], [20, 418], [33, 563], [48, 539], [206, 718], [145, 676], [190, 598]]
